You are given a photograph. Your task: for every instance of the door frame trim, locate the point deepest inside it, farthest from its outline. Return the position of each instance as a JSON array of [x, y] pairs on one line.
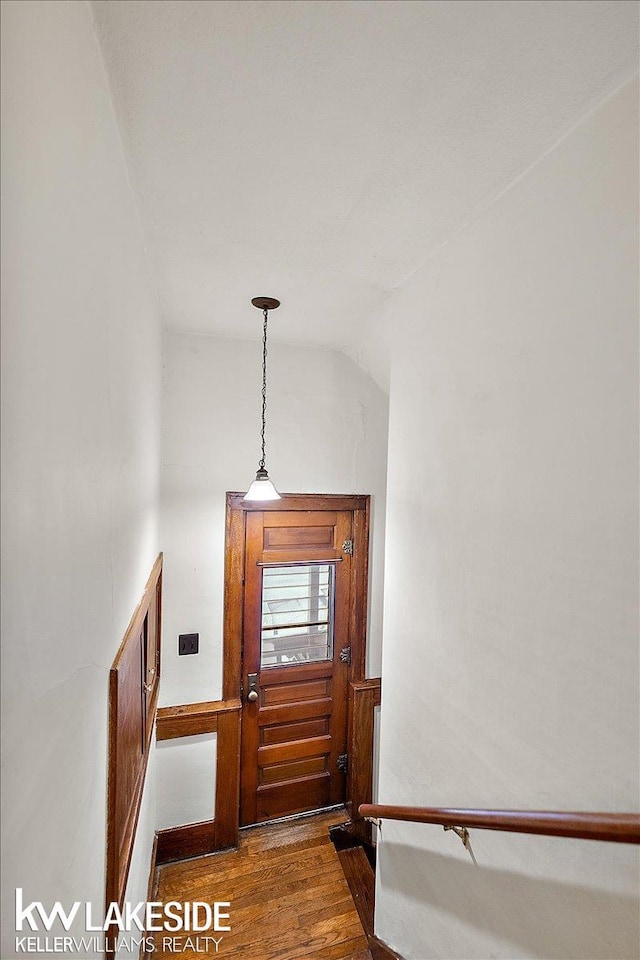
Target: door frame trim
[[237, 509]]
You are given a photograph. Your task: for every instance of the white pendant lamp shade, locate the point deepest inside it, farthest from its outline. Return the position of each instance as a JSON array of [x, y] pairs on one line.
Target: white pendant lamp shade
[[262, 488]]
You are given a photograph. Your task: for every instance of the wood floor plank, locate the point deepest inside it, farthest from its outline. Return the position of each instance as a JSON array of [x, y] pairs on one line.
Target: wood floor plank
[[302, 898], [293, 831], [323, 943], [288, 893], [283, 914], [264, 882], [265, 894]]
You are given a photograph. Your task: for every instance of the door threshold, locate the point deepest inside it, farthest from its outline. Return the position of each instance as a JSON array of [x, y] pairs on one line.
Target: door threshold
[[294, 816]]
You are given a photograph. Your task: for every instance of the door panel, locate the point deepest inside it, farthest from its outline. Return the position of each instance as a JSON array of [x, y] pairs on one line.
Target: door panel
[[287, 537], [282, 732], [296, 622], [311, 793]]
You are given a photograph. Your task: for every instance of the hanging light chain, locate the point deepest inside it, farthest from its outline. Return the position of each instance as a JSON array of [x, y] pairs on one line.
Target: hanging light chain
[[262, 488], [265, 314]]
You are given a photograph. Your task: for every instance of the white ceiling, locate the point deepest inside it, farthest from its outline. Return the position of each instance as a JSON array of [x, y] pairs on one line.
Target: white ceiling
[[319, 151]]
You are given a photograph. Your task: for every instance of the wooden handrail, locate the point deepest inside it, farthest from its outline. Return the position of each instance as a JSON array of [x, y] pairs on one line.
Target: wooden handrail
[[612, 827]]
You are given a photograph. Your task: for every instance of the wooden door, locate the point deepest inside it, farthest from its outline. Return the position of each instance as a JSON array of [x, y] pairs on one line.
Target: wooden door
[[294, 683]]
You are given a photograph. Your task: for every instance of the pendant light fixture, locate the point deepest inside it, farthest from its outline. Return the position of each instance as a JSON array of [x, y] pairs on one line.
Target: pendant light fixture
[[262, 488]]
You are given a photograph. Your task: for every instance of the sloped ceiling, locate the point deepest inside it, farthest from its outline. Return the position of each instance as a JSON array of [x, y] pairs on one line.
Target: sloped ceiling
[[319, 151]]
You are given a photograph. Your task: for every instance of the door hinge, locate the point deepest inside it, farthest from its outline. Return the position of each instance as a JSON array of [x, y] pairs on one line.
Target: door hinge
[[345, 655], [342, 762], [347, 547]]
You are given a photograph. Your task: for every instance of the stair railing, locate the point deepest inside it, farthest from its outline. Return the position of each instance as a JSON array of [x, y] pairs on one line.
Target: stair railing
[[609, 827]]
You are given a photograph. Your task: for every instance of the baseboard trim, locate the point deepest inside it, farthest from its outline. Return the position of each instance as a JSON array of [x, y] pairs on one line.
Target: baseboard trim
[[153, 880], [182, 843], [152, 886], [381, 950]]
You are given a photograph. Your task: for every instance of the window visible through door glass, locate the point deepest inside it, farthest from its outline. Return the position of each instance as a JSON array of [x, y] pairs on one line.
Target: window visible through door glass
[[297, 614]]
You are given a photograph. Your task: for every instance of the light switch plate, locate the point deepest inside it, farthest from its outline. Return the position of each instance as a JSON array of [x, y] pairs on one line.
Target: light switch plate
[[188, 643]]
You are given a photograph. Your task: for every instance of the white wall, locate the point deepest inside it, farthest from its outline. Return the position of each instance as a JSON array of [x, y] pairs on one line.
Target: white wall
[[510, 663], [186, 780], [326, 433], [81, 363]]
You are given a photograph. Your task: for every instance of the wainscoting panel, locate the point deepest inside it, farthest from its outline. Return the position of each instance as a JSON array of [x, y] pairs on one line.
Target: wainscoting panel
[[133, 695]]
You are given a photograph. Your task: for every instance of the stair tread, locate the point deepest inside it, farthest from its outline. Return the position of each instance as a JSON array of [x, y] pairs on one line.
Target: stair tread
[[361, 879]]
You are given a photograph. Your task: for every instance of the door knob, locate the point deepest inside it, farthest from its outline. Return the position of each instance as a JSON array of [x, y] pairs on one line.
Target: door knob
[[252, 694]]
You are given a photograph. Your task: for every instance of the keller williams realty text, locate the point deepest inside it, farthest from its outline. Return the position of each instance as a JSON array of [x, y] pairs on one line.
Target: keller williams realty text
[[84, 945]]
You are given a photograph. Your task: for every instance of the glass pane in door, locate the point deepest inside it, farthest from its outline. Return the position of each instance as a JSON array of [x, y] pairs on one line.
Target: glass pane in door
[[297, 614]]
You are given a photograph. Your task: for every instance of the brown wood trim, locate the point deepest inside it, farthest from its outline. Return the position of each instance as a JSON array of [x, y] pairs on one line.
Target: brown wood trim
[[152, 888], [175, 722], [152, 882], [227, 816], [234, 545], [133, 696], [360, 588], [381, 950], [373, 684], [300, 501], [365, 696], [360, 877], [612, 827], [191, 719], [189, 840], [140, 611]]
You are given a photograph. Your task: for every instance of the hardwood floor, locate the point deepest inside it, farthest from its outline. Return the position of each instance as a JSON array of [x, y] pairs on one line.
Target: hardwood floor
[[288, 893]]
